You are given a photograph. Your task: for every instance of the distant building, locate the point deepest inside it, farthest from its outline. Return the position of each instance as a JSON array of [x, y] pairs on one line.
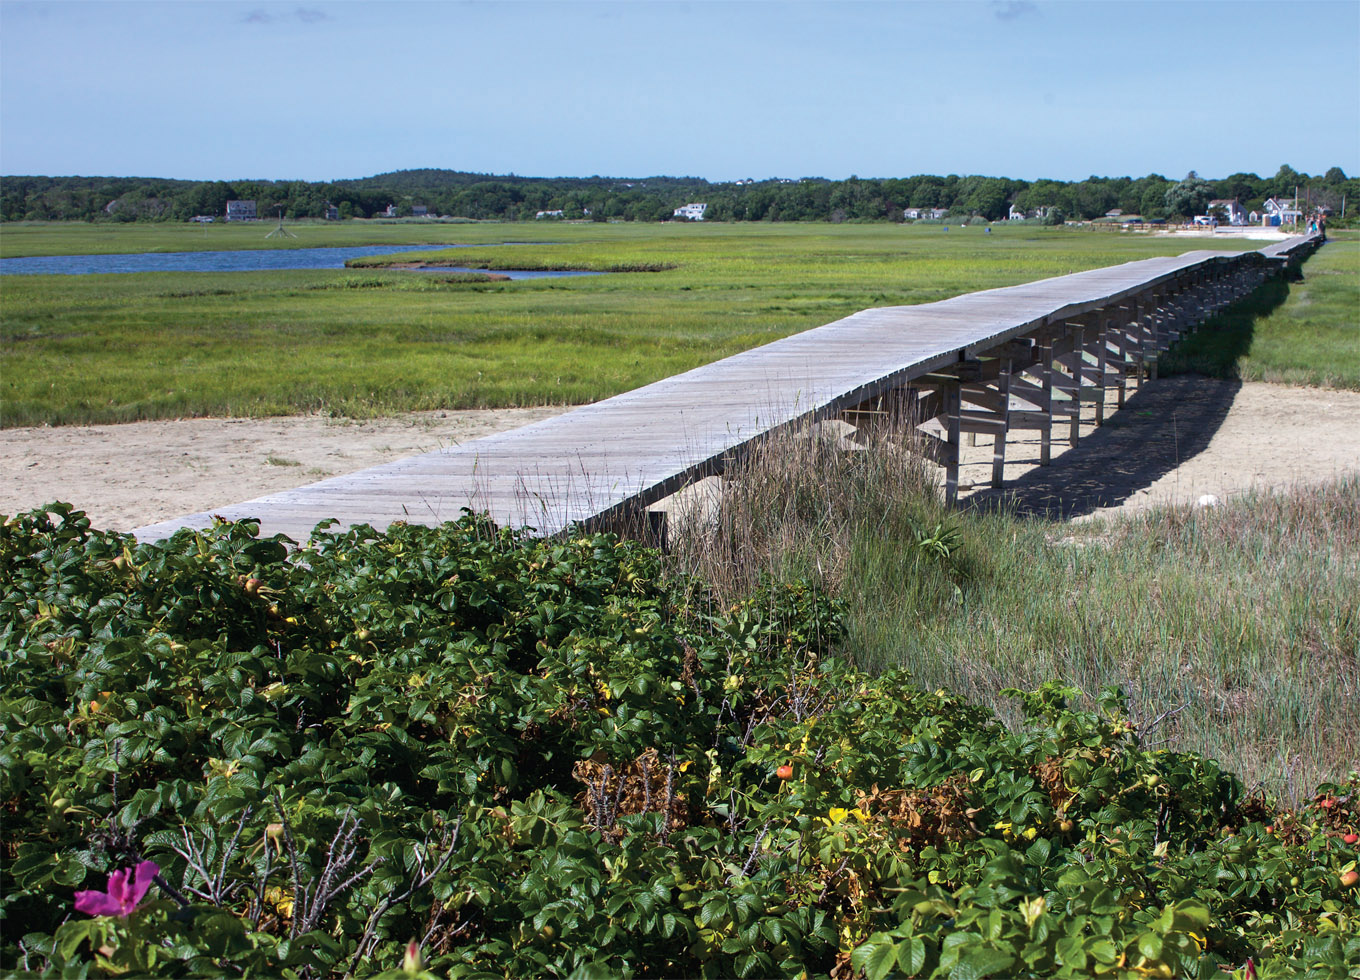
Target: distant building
[[1277, 212], [548, 214], [332, 212], [691, 212], [420, 211], [1237, 215], [203, 219], [242, 211], [391, 212]]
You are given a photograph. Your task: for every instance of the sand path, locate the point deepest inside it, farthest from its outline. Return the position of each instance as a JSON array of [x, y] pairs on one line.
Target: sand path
[[1175, 441]]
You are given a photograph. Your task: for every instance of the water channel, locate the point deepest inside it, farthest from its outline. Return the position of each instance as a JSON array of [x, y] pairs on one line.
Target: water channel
[[242, 260]]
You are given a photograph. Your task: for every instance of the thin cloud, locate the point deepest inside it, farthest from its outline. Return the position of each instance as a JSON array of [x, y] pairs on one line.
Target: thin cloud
[[303, 15], [1013, 9]]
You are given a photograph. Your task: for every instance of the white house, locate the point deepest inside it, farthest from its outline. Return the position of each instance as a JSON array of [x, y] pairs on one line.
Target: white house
[[547, 214], [691, 212], [1279, 212], [1237, 215], [391, 212]]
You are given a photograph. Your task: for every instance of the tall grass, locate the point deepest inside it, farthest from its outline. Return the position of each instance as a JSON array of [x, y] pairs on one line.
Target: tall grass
[[1237, 626]]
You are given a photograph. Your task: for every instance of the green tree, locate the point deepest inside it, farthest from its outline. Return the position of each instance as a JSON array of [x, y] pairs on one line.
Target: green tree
[[1190, 196]]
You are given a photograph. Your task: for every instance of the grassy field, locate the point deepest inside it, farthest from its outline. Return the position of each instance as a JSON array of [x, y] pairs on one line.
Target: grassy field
[[367, 342], [1301, 332]]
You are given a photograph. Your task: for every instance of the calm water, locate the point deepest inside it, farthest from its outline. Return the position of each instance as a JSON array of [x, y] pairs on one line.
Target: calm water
[[245, 260]]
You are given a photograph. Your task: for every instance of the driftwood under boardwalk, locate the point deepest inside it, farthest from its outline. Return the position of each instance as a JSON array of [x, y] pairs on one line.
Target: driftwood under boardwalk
[[1021, 356]]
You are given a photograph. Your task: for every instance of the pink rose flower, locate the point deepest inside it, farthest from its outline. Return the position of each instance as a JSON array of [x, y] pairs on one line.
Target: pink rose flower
[[121, 899]]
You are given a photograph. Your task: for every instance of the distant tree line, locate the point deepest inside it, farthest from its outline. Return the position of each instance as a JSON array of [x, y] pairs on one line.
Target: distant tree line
[[482, 196]]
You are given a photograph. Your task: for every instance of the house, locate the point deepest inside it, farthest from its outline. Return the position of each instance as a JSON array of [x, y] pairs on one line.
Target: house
[[332, 212], [1236, 214], [917, 214], [1277, 212], [420, 211], [1115, 213], [547, 214], [1015, 214], [242, 211], [391, 212], [691, 212], [203, 219]]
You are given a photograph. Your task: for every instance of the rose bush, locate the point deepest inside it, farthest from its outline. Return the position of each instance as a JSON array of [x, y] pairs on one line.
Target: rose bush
[[543, 758]]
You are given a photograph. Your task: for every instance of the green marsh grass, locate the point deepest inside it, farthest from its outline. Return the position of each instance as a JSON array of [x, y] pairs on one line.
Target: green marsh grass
[[366, 342], [1303, 331]]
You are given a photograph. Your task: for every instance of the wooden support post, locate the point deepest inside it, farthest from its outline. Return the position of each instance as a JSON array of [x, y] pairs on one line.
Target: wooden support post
[[1046, 402], [1122, 315], [1156, 317], [1003, 384], [1101, 331], [1078, 370], [953, 410]]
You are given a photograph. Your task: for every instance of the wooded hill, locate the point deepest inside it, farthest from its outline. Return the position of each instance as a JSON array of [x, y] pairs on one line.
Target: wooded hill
[[487, 196]]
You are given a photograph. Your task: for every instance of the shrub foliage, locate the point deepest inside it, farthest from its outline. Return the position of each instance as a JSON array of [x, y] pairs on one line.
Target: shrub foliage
[[542, 758]]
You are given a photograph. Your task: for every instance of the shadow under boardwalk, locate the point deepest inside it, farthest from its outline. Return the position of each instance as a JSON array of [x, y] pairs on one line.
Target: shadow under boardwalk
[[1165, 423]]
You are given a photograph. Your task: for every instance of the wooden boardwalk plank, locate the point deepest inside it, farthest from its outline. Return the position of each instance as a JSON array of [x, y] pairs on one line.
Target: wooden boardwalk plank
[[632, 449]]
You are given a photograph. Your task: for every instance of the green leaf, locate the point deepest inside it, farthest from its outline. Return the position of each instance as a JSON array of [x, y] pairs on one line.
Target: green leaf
[[875, 956], [1150, 945], [982, 962], [911, 955]]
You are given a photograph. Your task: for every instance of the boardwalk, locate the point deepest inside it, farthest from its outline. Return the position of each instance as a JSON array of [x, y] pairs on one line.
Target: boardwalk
[[1022, 356]]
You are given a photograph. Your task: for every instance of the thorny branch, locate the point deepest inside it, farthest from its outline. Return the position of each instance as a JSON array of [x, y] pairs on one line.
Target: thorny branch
[[421, 879]]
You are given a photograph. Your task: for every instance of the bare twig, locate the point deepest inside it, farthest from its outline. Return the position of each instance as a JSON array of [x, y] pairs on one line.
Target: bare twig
[[422, 878]]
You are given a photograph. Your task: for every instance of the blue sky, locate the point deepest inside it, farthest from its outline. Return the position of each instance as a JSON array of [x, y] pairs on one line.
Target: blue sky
[[319, 90]]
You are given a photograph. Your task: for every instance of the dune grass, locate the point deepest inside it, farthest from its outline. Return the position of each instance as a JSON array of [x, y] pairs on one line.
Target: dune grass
[[109, 348], [1233, 629]]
